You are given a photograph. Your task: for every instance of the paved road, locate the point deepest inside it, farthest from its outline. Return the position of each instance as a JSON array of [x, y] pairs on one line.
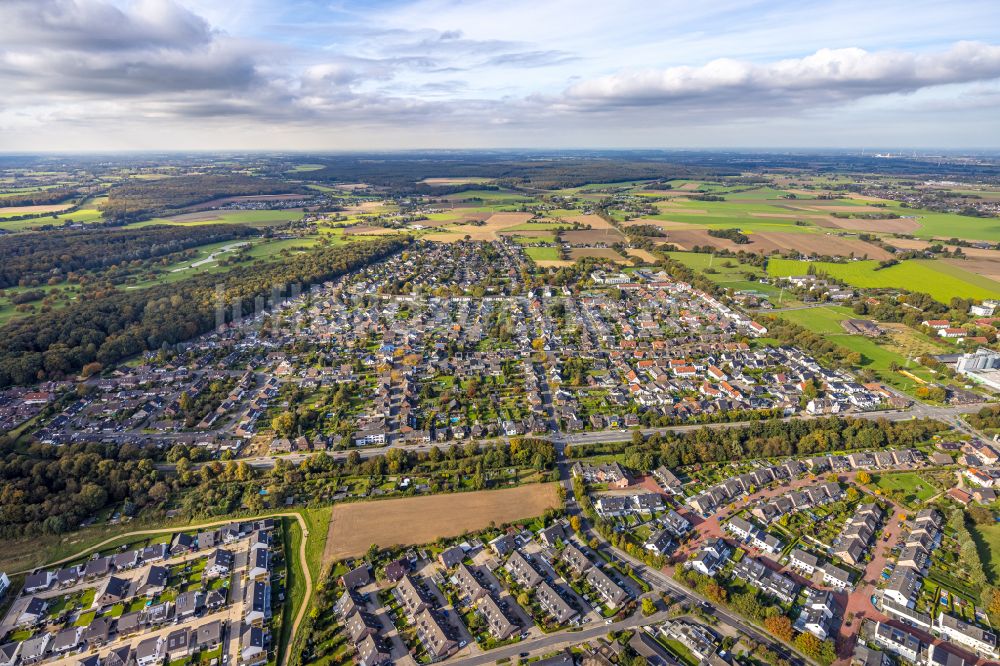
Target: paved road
[[949, 415], [552, 642]]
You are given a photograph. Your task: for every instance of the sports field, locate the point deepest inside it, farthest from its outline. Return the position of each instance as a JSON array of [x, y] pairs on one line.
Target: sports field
[[355, 526]]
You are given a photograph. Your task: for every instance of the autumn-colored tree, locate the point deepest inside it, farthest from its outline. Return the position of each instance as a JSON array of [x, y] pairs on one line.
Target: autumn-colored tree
[[716, 593], [780, 627], [864, 477], [808, 645], [575, 523]]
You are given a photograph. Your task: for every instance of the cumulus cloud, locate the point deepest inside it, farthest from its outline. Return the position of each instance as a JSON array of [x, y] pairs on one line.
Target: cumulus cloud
[[155, 63], [824, 77], [86, 25]]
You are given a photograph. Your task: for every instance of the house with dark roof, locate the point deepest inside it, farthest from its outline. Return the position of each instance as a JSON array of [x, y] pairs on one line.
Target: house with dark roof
[[612, 594], [112, 591], [554, 604], [357, 577], [97, 632], [152, 582], [208, 636], [179, 644], [502, 624], [220, 563], [34, 612], [449, 557]]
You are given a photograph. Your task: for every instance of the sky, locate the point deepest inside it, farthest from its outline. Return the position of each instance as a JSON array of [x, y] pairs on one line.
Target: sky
[[312, 75]]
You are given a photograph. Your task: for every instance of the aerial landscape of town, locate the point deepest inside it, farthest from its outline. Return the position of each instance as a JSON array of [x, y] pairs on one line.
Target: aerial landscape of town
[[305, 360]]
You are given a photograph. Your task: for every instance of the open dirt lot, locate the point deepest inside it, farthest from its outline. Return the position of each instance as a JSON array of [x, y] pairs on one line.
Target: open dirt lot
[[599, 252], [607, 236], [552, 263], [355, 526]]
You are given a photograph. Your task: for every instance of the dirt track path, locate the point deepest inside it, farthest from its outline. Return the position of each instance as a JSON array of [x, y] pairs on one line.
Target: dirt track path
[[299, 616]]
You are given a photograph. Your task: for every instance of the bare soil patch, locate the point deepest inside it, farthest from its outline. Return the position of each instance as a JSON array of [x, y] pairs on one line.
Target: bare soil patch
[[607, 236], [355, 526], [818, 244], [595, 221], [645, 255], [987, 267], [898, 226], [553, 263], [765, 242], [488, 231]]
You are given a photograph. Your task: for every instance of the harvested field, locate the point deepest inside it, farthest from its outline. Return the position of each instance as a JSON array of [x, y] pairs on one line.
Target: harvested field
[[552, 263], [674, 207], [687, 238], [987, 267], [34, 210], [444, 237], [970, 252], [355, 526], [687, 187], [644, 255], [768, 241], [595, 221], [592, 237], [897, 226], [663, 224], [534, 233], [598, 252], [819, 244], [488, 231]]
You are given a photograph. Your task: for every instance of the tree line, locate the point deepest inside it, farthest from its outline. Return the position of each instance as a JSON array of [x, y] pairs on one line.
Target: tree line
[[767, 439], [140, 199], [120, 324]]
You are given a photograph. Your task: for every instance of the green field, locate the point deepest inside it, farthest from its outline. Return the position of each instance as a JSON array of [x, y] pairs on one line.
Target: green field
[[988, 543], [734, 276], [915, 489], [542, 253], [824, 319], [874, 356], [942, 281], [251, 217]]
